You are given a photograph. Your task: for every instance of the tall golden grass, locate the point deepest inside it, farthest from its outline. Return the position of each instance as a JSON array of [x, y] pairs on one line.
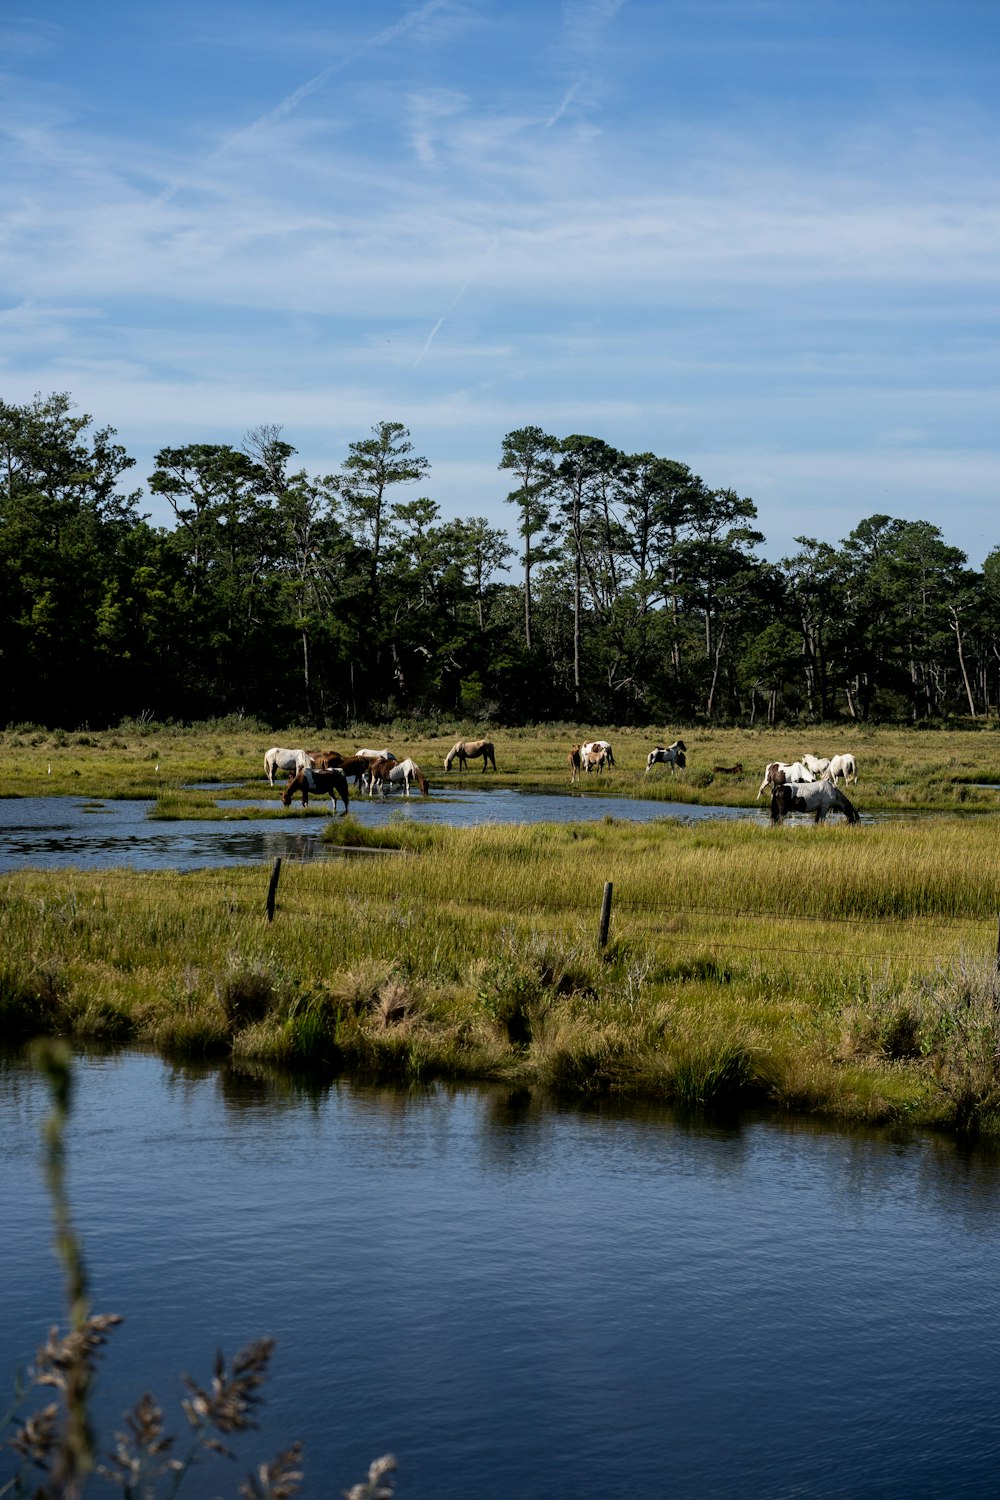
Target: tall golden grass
[[742, 962]]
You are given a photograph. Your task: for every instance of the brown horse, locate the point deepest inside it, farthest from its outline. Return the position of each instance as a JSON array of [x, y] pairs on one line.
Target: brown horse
[[574, 763], [356, 766], [467, 750], [322, 760], [331, 782]]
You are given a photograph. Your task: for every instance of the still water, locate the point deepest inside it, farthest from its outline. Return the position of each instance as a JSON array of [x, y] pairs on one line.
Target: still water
[[60, 832], [521, 1301]]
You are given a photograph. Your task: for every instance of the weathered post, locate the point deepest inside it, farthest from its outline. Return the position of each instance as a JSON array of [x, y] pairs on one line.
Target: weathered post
[[605, 915], [272, 888], [998, 946]]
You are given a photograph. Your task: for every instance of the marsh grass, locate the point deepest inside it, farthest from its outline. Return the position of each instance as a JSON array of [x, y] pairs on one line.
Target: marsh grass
[[744, 962], [936, 770]]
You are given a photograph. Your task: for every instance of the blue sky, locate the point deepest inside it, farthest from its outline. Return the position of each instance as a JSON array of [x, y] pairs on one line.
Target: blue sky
[[757, 236]]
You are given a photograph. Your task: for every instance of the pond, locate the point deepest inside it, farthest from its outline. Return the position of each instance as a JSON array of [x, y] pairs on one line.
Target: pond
[[62, 832], [523, 1301], [59, 832]]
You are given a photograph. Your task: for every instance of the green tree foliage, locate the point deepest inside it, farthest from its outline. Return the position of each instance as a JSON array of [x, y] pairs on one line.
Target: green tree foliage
[[641, 594]]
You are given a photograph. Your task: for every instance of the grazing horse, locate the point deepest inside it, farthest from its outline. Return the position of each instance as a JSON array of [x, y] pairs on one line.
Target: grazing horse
[[277, 759], [843, 765], [467, 750], [593, 758], [375, 754], [396, 773], [794, 772], [818, 765], [590, 745], [819, 798], [333, 782], [736, 770], [672, 756], [574, 763]]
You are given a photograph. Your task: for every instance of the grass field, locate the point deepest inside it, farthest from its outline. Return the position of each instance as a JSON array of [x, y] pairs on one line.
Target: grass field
[[846, 971], [931, 769]]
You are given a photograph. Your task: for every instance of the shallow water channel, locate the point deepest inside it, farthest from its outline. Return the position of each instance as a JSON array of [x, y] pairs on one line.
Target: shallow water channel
[[62, 832], [59, 832], [521, 1301]]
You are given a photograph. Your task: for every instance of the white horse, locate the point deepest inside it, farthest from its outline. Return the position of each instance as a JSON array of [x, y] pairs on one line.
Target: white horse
[[375, 754], [843, 765], [595, 745], [672, 756], [796, 771], [820, 798], [277, 759], [818, 765]]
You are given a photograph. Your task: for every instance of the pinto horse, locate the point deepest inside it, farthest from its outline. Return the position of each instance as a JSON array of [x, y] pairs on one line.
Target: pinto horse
[[396, 773], [672, 756], [332, 782], [467, 750]]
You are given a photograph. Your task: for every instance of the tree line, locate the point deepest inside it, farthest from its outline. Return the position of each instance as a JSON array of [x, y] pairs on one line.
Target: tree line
[[629, 592]]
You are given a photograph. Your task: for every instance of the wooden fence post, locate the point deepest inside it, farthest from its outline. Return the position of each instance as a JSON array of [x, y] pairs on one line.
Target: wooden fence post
[[272, 888], [605, 915], [998, 946]]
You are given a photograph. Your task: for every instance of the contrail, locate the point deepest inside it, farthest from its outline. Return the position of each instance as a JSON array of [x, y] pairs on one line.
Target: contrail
[[564, 106], [457, 299], [292, 100]]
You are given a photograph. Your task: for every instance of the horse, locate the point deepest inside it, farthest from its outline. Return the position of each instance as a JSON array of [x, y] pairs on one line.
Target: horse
[[467, 750], [357, 766], [593, 758], [407, 770], [396, 773], [574, 763], [589, 745], [332, 781], [375, 754], [277, 759], [818, 765], [843, 765], [794, 772], [672, 756], [819, 798], [736, 770]]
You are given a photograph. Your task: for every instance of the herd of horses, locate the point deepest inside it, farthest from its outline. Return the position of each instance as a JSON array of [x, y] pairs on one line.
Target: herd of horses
[[808, 785]]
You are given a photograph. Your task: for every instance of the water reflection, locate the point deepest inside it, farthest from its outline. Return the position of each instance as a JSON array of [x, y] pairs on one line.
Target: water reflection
[[527, 1299]]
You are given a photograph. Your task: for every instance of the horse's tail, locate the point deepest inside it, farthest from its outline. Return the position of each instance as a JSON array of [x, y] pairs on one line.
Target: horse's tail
[[269, 767], [421, 780]]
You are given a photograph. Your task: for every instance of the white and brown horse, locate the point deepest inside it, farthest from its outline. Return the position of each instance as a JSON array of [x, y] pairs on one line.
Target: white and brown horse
[[589, 746], [672, 756], [816, 798], [396, 773], [331, 782], [466, 750]]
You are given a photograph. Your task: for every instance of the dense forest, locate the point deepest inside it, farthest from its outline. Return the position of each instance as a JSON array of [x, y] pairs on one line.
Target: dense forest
[[627, 592]]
